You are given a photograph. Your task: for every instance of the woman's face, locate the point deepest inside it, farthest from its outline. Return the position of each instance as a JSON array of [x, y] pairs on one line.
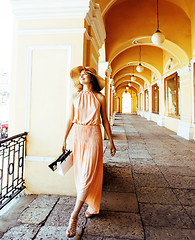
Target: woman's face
[[85, 77]]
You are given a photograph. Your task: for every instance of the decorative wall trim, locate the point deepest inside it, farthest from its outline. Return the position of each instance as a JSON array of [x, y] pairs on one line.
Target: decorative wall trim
[[29, 74], [52, 31], [39, 159], [42, 9]]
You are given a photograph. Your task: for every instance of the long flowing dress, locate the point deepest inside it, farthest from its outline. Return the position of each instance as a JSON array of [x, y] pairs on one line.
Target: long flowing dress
[[88, 150]]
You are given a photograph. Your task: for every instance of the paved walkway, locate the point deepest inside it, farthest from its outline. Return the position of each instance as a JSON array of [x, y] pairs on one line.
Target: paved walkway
[[148, 192]]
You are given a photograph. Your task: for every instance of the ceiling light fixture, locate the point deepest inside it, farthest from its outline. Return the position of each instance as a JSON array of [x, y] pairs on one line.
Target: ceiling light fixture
[[158, 38], [140, 68]]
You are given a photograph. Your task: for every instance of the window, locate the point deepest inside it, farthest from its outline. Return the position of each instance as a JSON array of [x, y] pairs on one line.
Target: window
[[172, 95], [146, 100], [155, 99]]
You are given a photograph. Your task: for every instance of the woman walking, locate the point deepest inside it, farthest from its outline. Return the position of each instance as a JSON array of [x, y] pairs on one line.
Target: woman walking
[[88, 104]]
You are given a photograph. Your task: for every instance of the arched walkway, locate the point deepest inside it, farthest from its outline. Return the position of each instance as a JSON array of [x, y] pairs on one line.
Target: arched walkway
[[147, 191]]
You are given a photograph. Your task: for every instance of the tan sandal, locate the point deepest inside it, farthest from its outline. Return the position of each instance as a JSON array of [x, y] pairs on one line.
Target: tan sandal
[[88, 214], [72, 227]]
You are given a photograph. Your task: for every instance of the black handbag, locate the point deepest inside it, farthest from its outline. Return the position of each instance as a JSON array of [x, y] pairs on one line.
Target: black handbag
[[60, 160]]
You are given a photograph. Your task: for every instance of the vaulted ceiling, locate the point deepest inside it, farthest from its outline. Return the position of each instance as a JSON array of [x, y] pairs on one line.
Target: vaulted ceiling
[[130, 24]]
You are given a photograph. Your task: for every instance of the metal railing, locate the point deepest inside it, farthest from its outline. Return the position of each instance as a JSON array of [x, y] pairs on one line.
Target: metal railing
[[12, 152]]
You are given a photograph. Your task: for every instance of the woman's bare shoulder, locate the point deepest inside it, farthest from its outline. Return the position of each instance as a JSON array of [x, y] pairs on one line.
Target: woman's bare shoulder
[[74, 95], [100, 97]]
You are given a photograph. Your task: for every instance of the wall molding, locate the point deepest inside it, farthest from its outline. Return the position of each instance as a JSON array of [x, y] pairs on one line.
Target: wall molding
[[39, 159], [51, 31], [29, 78], [47, 9]]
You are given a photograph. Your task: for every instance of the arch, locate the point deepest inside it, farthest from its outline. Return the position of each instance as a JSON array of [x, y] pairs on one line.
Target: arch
[[121, 29]]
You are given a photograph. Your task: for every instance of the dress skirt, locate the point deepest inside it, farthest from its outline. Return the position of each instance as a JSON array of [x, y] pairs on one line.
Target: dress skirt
[[88, 164]]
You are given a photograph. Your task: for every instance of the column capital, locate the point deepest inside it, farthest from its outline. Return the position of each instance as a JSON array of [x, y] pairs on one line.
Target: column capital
[[94, 19]]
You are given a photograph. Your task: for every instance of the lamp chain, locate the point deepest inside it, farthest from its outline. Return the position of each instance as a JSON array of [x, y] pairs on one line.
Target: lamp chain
[[140, 54], [157, 17]]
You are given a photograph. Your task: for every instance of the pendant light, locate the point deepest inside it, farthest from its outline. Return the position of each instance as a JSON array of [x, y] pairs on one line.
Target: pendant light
[[158, 38], [140, 68], [133, 78], [129, 84]]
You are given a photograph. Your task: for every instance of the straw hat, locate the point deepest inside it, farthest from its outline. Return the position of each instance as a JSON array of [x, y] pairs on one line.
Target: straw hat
[[76, 71]]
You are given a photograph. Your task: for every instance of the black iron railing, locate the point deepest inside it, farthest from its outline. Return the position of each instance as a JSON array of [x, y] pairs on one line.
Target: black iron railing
[[12, 152]]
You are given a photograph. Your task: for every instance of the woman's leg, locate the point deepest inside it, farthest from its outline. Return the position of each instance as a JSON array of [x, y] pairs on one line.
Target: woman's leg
[[71, 231], [77, 208]]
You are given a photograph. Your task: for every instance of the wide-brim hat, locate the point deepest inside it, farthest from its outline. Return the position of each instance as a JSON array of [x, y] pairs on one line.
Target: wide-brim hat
[[75, 75]]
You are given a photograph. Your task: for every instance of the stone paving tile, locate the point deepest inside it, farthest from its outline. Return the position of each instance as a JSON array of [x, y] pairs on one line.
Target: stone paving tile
[[169, 161], [119, 137], [142, 162], [139, 154], [119, 202], [118, 184], [191, 212], [55, 233], [66, 200], [134, 147], [176, 170], [38, 210], [156, 195], [61, 214], [21, 232], [149, 180], [169, 234], [177, 181], [117, 164], [146, 169], [158, 215], [115, 225], [119, 155], [117, 171], [186, 196]]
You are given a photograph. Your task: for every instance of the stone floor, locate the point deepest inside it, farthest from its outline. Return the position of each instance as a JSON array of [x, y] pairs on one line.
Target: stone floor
[[148, 192]]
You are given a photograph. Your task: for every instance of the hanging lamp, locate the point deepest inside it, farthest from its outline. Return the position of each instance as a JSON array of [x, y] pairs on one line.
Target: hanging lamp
[[140, 68], [133, 78], [158, 38]]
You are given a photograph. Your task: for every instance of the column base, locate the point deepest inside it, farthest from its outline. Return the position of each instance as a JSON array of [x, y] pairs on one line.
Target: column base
[[185, 130], [161, 121]]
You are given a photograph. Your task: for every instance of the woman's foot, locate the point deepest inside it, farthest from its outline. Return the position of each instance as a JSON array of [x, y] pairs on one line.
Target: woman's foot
[[72, 227], [88, 214]]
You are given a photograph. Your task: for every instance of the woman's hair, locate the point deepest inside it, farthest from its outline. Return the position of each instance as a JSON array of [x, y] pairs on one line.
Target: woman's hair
[[95, 83]]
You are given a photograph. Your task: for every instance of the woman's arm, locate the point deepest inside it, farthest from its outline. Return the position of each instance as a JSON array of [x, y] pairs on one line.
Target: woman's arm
[[69, 125], [106, 125]]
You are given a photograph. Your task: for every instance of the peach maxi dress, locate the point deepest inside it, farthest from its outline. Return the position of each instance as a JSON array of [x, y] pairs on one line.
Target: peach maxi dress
[[88, 150]]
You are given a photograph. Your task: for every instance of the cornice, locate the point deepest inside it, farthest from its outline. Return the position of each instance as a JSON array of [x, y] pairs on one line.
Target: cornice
[[42, 9]]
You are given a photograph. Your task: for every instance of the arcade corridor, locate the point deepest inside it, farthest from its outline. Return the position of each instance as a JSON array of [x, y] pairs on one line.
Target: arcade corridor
[[148, 192]]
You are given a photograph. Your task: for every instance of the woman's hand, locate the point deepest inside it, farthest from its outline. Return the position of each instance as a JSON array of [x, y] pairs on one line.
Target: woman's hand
[[64, 146], [112, 149]]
